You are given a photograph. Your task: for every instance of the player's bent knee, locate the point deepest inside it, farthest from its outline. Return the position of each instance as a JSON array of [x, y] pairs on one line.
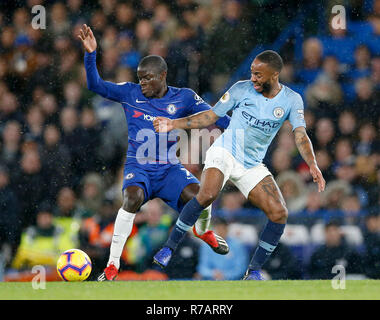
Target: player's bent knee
[[278, 215], [206, 198], [133, 200]]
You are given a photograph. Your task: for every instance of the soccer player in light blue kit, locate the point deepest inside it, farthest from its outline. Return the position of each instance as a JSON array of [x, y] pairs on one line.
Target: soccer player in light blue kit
[[259, 108]]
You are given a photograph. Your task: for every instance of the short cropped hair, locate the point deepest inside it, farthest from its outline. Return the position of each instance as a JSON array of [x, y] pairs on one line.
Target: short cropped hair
[[155, 63], [272, 58]]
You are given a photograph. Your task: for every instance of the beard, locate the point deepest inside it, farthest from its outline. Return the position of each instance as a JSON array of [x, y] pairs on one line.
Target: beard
[[267, 87]]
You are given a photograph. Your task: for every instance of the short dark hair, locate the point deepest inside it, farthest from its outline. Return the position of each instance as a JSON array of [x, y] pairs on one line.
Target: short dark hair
[[272, 58], [155, 63]]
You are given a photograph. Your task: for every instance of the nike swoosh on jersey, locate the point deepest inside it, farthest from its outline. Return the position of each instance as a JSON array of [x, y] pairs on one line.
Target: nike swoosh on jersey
[[140, 101]]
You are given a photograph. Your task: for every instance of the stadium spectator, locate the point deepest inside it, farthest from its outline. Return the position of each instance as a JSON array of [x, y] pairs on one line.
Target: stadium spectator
[[228, 267], [282, 265], [164, 24], [41, 244], [335, 251], [281, 161], [10, 220], [362, 65], [324, 134], [34, 124], [366, 103], [233, 29], [367, 143], [11, 144], [312, 53], [324, 160], [67, 205], [55, 158], [347, 124], [231, 209], [293, 190], [312, 213], [30, 185], [92, 193], [324, 95], [352, 210], [371, 234]]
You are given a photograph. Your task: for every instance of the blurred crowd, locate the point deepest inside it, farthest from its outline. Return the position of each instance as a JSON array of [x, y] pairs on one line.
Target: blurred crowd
[[62, 148]]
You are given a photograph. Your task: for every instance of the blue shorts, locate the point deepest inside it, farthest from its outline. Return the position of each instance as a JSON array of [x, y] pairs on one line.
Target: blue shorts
[[164, 182]]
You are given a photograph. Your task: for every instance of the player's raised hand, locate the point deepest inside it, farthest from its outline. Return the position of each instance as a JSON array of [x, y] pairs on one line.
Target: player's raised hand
[[162, 124], [87, 38], [318, 177]]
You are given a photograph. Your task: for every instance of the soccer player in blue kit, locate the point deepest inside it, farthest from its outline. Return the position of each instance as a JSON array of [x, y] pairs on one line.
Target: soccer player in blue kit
[[259, 108], [152, 175]]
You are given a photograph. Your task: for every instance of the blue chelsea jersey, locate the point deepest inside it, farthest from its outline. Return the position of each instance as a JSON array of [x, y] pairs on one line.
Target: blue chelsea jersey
[[144, 144], [256, 120]]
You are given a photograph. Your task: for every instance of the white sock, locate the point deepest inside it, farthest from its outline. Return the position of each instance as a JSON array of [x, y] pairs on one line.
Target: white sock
[[203, 222], [122, 230]]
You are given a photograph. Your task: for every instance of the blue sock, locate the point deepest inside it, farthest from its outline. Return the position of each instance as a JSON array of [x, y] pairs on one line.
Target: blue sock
[[187, 218], [268, 241]]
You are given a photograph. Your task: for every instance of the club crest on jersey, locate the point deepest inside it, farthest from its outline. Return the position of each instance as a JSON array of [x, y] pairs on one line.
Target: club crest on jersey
[[171, 109], [129, 176], [278, 112]]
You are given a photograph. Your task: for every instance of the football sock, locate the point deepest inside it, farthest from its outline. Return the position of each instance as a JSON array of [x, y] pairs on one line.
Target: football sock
[[203, 222], [188, 216], [122, 230], [268, 241]]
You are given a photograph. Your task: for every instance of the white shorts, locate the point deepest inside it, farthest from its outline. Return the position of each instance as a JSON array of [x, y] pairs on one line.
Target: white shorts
[[244, 179]]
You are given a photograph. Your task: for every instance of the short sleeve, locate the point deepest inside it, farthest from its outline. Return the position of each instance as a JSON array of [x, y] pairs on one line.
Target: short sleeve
[[296, 115], [227, 102], [196, 103]]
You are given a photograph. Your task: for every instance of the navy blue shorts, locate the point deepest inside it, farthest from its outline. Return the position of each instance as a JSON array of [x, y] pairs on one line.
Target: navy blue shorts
[[165, 183]]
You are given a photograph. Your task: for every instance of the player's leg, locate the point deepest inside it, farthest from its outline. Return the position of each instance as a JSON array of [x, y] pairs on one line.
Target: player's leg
[[211, 184], [202, 224], [267, 196], [133, 198], [136, 190], [200, 228]]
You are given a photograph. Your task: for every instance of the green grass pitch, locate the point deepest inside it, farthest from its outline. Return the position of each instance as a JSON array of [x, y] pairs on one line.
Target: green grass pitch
[[193, 290]]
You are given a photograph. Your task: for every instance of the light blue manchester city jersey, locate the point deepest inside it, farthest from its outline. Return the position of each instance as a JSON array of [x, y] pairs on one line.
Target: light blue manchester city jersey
[[256, 120]]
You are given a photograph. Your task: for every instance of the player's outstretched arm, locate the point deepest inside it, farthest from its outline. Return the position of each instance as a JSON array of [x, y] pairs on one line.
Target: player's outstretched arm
[[95, 83], [199, 120], [305, 148], [87, 38]]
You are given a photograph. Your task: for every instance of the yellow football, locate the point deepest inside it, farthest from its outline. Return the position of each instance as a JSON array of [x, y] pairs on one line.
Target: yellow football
[[74, 265]]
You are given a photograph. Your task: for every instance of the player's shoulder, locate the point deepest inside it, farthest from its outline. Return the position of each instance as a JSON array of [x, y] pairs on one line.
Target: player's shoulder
[[129, 85], [185, 93], [241, 87], [243, 84], [292, 95]]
